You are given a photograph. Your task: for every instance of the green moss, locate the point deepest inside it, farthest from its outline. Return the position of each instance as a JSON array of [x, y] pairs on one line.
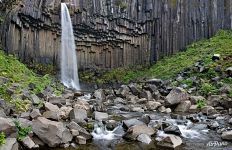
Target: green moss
[[2, 138], [207, 88], [22, 132]]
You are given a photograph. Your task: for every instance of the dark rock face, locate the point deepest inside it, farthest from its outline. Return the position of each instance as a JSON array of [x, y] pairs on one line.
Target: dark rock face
[[109, 35]]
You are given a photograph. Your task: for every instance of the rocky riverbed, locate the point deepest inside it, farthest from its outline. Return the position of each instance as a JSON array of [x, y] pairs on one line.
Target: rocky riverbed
[[145, 115]]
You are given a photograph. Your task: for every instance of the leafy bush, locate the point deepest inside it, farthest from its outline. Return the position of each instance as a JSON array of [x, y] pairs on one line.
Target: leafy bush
[[201, 104], [2, 138], [207, 88], [22, 132], [21, 105]]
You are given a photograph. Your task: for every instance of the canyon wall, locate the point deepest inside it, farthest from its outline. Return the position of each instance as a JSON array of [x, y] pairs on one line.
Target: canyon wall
[[112, 33]]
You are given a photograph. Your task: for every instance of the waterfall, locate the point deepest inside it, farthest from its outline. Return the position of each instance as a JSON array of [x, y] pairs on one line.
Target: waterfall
[[69, 69]]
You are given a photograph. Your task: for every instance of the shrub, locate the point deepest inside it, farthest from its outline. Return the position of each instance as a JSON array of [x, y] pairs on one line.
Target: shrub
[[22, 132], [207, 88], [2, 138], [201, 104]]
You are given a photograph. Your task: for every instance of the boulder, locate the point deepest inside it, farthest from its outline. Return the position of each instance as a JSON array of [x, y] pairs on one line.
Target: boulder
[[131, 122], [162, 109], [183, 106], [194, 109], [194, 99], [168, 110], [119, 100], [2, 113], [7, 126], [208, 110], [227, 135], [51, 132], [152, 105], [170, 141], [145, 94], [35, 99], [80, 140], [99, 116], [28, 143], [144, 138], [35, 113], [99, 94], [50, 107], [229, 72], [74, 126], [134, 89], [134, 131], [65, 111], [53, 115], [82, 104], [172, 130], [25, 115], [123, 91], [59, 101], [11, 144], [78, 115], [176, 96], [156, 82]]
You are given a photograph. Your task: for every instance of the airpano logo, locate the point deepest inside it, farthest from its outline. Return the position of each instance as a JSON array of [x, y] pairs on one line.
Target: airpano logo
[[217, 143]]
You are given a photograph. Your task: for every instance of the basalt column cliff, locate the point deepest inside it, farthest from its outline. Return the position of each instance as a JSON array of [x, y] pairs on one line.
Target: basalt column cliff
[[112, 33]]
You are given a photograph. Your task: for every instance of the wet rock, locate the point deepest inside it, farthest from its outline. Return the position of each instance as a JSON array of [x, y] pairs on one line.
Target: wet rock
[[176, 96], [74, 126], [35, 113], [78, 94], [50, 107], [78, 114], [80, 140], [131, 122], [7, 126], [208, 110], [152, 105], [183, 106], [65, 111], [172, 130], [168, 110], [134, 131], [145, 118], [137, 109], [144, 138], [227, 135], [99, 94], [216, 57], [225, 89], [132, 99], [151, 87], [99, 116], [111, 124], [28, 143], [35, 99], [82, 104], [53, 115], [51, 132], [59, 101], [11, 144], [230, 121], [213, 125], [171, 141]]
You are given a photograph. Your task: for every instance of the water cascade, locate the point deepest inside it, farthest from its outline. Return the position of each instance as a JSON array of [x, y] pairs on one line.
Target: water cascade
[[69, 69]]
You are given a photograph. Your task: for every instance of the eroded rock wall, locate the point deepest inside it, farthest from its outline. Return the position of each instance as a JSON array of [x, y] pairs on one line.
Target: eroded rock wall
[[112, 33]]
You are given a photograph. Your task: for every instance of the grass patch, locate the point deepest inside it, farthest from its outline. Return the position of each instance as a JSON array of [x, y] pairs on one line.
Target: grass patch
[[16, 72], [170, 66]]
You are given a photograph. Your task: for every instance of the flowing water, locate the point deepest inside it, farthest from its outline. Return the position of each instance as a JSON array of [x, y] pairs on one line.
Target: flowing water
[[69, 69]]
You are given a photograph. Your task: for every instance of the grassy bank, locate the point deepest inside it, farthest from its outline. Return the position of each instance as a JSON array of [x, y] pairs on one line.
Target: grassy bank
[[168, 67]]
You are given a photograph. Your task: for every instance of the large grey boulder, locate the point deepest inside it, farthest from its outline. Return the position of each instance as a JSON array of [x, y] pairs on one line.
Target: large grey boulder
[[99, 116], [152, 105], [144, 138], [99, 94], [176, 96], [11, 144], [131, 122], [35, 99], [50, 107], [28, 143], [183, 106], [123, 91], [59, 101], [7, 126], [51, 132], [82, 104], [171, 141], [227, 135], [78, 115], [134, 131]]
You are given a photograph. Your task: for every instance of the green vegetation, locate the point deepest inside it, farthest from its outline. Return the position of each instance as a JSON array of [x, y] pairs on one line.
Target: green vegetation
[[22, 132], [207, 88], [201, 104], [17, 73], [2, 138], [21, 105], [121, 4], [170, 66]]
